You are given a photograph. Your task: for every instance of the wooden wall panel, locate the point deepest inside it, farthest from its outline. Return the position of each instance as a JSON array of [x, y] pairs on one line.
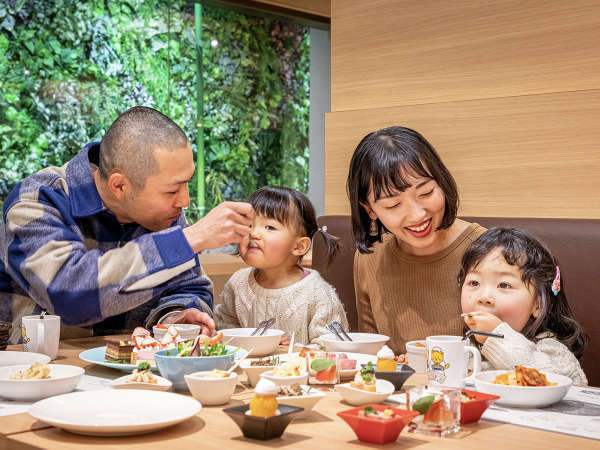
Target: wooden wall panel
[[401, 52], [528, 156]]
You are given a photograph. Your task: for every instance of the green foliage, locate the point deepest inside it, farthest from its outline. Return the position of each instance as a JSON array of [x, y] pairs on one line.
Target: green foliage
[[68, 69]]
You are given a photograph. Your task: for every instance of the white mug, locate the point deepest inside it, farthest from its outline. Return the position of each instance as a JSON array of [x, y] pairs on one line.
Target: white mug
[[41, 335], [447, 359]]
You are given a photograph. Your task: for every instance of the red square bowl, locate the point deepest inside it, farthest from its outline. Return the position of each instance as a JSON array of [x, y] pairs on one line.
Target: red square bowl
[[373, 429], [471, 411]]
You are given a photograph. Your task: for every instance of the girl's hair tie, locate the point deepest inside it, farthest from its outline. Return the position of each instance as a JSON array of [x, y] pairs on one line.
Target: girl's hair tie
[[322, 229], [556, 282]]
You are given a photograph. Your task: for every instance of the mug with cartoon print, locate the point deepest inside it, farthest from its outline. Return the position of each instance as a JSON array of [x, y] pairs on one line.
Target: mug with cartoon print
[[447, 360]]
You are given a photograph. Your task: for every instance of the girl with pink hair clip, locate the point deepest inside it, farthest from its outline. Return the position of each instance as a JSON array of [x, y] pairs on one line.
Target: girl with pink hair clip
[[511, 285]]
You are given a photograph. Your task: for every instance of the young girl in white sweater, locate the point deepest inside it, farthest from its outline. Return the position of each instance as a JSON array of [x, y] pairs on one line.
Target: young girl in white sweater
[[275, 285], [511, 285]]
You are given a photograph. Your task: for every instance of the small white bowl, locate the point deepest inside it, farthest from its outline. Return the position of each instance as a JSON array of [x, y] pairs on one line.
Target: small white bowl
[[187, 331], [11, 358], [357, 397], [64, 379], [307, 401], [162, 384], [285, 381], [253, 372], [211, 391], [523, 396], [417, 356], [368, 343], [260, 345]]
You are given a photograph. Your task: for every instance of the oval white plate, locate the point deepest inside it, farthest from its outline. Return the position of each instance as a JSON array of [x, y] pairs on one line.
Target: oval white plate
[[358, 397], [361, 358], [8, 358], [523, 396], [115, 412], [162, 384], [64, 379]]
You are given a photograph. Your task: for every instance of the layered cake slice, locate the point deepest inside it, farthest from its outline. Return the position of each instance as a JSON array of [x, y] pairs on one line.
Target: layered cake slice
[[118, 350]]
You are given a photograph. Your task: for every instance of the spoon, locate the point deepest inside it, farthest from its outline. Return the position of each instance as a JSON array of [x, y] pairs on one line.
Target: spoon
[[232, 368]]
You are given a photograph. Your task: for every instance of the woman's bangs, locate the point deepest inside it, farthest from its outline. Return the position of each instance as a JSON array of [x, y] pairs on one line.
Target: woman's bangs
[[391, 173]]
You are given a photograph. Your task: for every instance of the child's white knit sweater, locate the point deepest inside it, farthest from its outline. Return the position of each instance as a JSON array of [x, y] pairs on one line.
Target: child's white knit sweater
[[546, 354], [304, 307]]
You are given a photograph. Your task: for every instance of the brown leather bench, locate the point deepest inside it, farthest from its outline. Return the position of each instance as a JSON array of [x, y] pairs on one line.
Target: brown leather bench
[[575, 242]]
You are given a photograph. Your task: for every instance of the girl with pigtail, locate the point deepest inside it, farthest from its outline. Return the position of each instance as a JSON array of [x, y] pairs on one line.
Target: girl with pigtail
[[511, 285], [276, 285]]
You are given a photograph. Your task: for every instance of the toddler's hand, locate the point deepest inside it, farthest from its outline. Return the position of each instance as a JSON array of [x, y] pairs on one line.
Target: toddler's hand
[[482, 321], [401, 358], [284, 340]]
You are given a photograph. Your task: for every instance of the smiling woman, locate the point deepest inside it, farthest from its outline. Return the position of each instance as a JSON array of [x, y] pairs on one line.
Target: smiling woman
[[404, 203]]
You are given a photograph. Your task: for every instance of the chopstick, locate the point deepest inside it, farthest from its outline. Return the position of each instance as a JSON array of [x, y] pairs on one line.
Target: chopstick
[[291, 346], [470, 333]]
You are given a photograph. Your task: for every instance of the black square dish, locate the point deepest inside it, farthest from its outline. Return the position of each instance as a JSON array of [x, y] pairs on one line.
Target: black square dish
[[397, 378], [262, 427]]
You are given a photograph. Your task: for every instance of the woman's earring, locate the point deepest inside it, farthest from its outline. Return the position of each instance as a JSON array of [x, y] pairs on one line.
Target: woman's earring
[[374, 228]]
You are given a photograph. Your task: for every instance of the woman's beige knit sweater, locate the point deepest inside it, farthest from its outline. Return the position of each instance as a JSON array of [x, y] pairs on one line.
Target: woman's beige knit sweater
[[410, 297]]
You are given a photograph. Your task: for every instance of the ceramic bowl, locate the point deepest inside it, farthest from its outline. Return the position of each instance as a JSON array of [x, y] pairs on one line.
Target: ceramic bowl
[[64, 379], [253, 372], [375, 430], [174, 368], [307, 401], [285, 381], [397, 378], [211, 390], [368, 343], [162, 384], [472, 410], [523, 396], [10, 358], [187, 331], [262, 427], [416, 353], [358, 397], [260, 345]]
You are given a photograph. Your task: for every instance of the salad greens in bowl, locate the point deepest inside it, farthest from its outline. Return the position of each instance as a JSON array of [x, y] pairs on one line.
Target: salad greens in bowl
[[195, 356]]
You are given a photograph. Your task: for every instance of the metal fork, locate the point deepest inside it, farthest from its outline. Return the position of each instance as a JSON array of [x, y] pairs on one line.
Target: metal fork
[[335, 323], [334, 331], [264, 325]]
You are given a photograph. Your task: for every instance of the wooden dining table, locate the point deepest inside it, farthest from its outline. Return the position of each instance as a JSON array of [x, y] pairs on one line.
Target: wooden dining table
[[212, 428]]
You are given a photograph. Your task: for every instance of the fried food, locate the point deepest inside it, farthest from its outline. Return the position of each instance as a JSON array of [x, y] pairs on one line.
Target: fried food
[[37, 371], [523, 376]]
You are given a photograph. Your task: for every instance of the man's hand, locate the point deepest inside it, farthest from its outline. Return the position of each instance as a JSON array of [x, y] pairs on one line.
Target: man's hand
[[195, 317], [226, 223], [482, 321]]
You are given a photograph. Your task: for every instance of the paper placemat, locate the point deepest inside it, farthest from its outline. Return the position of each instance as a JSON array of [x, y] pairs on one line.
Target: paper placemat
[[577, 414]]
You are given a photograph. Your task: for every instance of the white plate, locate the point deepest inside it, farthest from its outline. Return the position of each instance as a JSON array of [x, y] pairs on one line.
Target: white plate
[[162, 384], [361, 358], [8, 358], [64, 379], [523, 396], [359, 397], [115, 412]]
